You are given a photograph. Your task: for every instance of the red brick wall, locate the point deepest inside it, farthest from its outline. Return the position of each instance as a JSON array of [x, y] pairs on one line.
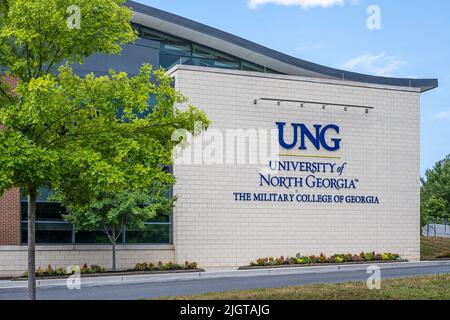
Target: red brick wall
[[10, 218], [10, 204], [10, 80]]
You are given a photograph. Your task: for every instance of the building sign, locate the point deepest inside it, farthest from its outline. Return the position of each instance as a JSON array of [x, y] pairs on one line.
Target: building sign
[[317, 136], [308, 181]]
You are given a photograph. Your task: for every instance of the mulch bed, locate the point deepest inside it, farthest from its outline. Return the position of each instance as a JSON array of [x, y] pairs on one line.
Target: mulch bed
[[110, 273], [318, 264]]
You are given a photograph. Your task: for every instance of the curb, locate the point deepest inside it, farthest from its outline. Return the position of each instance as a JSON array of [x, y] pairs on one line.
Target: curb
[[9, 284]]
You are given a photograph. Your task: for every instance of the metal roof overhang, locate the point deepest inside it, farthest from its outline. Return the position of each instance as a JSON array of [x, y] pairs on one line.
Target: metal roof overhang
[[247, 50]]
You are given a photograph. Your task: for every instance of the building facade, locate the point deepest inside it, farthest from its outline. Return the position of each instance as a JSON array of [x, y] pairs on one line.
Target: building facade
[[300, 158]]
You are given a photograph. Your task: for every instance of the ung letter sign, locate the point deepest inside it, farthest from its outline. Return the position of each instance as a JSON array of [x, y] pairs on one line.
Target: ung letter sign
[[318, 135]]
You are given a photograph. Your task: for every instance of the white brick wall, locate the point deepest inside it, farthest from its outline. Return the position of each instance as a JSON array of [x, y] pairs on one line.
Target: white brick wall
[[13, 259], [381, 149]]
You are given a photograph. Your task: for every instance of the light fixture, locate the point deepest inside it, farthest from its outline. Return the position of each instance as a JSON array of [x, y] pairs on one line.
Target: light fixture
[[302, 105], [367, 111], [255, 101], [323, 107], [345, 108], [279, 103]]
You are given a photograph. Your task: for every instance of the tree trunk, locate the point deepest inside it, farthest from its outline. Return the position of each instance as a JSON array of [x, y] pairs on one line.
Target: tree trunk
[[32, 191], [114, 250]]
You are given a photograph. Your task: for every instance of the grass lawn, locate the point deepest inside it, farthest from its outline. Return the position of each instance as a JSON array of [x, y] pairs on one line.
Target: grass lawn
[[416, 288], [431, 247]]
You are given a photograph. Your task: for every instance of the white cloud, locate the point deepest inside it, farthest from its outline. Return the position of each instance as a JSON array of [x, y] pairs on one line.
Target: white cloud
[[305, 4], [444, 115], [379, 64]]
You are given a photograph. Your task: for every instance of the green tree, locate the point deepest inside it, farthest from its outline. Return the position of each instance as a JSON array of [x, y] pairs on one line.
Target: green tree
[[435, 210], [435, 189], [80, 136], [112, 211]]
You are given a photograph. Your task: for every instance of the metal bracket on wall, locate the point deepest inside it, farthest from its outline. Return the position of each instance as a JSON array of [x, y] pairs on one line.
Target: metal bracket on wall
[[303, 103]]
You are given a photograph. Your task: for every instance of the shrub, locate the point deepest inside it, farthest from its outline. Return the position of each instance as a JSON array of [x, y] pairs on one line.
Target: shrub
[[348, 257], [306, 259], [369, 256], [378, 257], [280, 261], [291, 260], [191, 265], [262, 261], [357, 258], [139, 267], [385, 256], [49, 270], [339, 259], [444, 255], [97, 269], [60, 271], [84, 268], [40, 272], [393, 256], [322, 258]]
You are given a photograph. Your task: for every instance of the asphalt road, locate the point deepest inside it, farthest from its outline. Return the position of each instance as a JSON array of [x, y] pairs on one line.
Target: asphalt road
[[135, 291]]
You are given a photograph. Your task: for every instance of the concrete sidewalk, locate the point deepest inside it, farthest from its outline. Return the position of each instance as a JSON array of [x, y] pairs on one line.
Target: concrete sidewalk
[[217, 274]]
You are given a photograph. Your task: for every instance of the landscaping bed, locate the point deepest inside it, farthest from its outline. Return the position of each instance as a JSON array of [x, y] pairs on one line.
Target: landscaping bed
[[319, 264], [98, 271], [322, 260]]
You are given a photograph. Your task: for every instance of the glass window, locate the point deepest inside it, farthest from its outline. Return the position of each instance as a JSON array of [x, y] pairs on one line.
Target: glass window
[[93, 237], [152, 233], [252, 67], [45, 211], [52, 229], [174, 50], [204, 52], [49, 232]]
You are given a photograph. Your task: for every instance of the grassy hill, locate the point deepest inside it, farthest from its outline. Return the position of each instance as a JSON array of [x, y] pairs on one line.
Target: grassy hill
[[431, 247]]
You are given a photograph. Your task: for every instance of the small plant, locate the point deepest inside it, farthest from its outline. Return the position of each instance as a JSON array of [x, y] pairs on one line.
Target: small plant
[[369, 256], [348, 257], [292, 260], [357, 258], [84, 268], [40, 272], [385, 257], [280, 261], [191, 265], [444, 255], [49, 270], [97, 269], [339, 259], [262, 261]]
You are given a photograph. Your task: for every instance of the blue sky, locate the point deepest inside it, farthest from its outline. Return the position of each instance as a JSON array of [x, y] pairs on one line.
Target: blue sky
[[413, 42]]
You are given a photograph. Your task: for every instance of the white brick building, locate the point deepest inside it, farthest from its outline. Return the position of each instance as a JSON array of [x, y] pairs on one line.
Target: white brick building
[[380, 148], [356, 136]]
